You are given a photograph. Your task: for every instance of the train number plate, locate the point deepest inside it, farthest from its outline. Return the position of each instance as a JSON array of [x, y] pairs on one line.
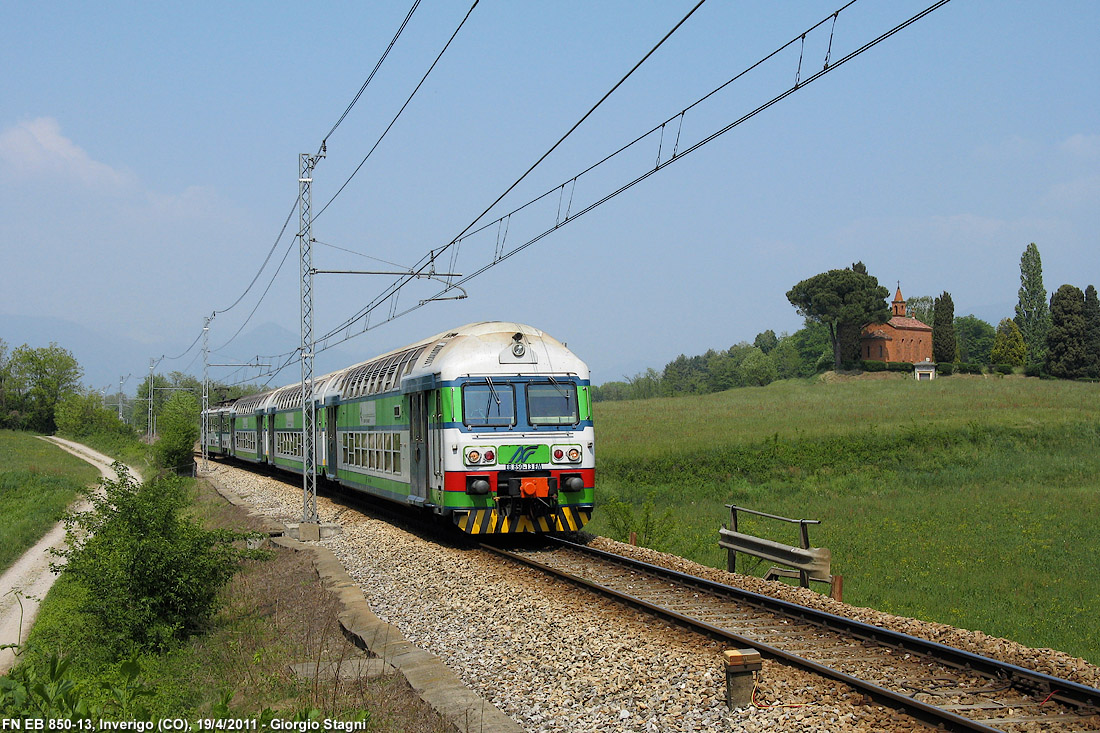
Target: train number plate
[[524, 466]]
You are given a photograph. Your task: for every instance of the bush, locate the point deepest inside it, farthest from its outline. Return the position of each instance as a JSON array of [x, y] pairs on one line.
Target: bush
[[79, 415], [152, 575], [178, 433], [946, 369], [1033, 370], [1004, 368], [869, 365], [970, 368], [899, 366]]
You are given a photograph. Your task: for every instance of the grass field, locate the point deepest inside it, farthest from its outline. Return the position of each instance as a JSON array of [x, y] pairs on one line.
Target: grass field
[[38, 481], [971, 501]]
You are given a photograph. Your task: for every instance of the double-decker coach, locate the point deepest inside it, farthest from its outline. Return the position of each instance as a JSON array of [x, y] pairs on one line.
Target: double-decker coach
[[488, 426]]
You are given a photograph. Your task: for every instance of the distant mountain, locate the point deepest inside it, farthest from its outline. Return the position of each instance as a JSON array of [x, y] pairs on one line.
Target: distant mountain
[[107, 357]]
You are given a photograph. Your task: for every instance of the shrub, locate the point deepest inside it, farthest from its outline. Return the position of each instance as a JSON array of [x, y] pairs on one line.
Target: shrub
[[153, 575], [899, 366], [1003, 368], [969, 368], [178, 433], [1033, 370], [869, 365], [946, 369]]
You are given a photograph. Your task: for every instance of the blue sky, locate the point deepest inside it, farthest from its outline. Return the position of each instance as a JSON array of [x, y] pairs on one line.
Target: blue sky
[[149, 153]]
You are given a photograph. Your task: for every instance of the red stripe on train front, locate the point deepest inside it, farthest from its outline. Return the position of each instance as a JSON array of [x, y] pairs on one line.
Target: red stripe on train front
[[456, 480]]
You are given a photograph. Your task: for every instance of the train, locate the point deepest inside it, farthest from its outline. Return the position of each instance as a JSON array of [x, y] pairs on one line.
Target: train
[[487, 426]]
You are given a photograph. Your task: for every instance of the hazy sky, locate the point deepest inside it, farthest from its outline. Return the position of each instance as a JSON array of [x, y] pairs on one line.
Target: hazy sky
[[149, 157]]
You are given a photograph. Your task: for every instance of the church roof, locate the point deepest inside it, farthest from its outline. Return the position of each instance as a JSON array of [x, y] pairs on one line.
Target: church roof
[[910, 323]]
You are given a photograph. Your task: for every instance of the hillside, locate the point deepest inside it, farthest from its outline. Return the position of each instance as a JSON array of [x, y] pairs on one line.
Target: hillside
[[966, 500]]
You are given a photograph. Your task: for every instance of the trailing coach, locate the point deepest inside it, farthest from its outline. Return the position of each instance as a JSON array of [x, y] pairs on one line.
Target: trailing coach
[[488, 426]]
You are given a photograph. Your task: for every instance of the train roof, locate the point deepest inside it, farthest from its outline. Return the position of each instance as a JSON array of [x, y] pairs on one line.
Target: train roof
[[488, 348]]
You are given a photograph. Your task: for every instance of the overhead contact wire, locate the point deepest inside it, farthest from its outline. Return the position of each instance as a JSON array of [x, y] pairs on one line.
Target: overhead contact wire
[[398, 115], [374, 71], [423, 262], [801, 84]]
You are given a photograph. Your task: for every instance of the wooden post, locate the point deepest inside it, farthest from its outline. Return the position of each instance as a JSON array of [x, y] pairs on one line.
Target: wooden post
[[741, 665], [836, 587], [634, 538]]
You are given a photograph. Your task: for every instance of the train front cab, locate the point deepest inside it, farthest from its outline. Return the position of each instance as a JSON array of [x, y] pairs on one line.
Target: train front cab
[[517, 452]]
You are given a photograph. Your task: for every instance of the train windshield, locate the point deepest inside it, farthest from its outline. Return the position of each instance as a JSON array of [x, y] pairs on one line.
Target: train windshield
[[552, 403], [488, 403]]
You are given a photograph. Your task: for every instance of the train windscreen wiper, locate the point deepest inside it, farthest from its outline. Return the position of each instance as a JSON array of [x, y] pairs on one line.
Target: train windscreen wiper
[[493, 396]]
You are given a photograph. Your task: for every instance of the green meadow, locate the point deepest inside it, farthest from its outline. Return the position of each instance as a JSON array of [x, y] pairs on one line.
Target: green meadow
[[972, 501], [38, 481]]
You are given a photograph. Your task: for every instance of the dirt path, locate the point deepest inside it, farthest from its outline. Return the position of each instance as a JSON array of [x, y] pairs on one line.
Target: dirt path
[[30, 576]]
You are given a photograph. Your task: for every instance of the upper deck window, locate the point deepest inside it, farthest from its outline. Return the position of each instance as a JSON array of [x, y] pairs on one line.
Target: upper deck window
[[488, 404], [552, 403]]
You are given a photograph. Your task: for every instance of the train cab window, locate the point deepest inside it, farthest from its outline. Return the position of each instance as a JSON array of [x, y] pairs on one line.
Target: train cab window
[[488, 404], [552, 403]]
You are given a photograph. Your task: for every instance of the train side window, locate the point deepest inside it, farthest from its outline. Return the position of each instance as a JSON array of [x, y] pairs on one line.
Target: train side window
[[488, 404]]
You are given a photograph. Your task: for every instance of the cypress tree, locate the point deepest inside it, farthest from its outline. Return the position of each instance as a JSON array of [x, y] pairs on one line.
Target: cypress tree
[[943, 329], [1008, 344], [1092, 332], [1032, 313], [1067, 356]]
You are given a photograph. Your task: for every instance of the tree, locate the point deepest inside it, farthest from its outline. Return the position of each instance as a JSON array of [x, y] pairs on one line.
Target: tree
[[159, 384], [9, 417], [766, 341], [975, 339], [756, 370], [645, 385], [78, 415], [787, 360], [685, 375], [179, 429], [943, 329], [812, 344], [1067, 354], [41, 377], [921, 308], [1032, 313], [1008, 344], [840, 300], [1092, 331]]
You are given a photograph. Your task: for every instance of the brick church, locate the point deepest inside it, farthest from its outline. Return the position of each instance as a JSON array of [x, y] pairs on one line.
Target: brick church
[[901, 339]]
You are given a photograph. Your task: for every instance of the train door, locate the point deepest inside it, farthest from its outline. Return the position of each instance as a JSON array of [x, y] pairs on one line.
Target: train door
[[269, 446], [418, 447], [330, 435], [435, 453], [261, 438]]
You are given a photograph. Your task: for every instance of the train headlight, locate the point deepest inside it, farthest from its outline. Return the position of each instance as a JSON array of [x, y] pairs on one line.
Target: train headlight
[[566, 453], [474, 456]]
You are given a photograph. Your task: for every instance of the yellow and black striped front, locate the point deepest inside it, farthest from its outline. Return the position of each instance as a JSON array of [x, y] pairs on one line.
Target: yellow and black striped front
[[492, 521]]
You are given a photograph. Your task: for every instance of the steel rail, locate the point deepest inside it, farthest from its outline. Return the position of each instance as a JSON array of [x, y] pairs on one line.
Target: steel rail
[[1065, 691]]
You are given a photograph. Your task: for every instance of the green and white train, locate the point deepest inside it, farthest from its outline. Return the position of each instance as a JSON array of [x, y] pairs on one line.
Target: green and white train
[[488, 426]]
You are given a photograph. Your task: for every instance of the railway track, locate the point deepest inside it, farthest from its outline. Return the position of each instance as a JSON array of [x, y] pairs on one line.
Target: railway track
[[939, 685]]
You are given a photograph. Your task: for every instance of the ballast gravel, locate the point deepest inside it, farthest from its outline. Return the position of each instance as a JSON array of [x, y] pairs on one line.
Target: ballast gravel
[[557, 658]]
